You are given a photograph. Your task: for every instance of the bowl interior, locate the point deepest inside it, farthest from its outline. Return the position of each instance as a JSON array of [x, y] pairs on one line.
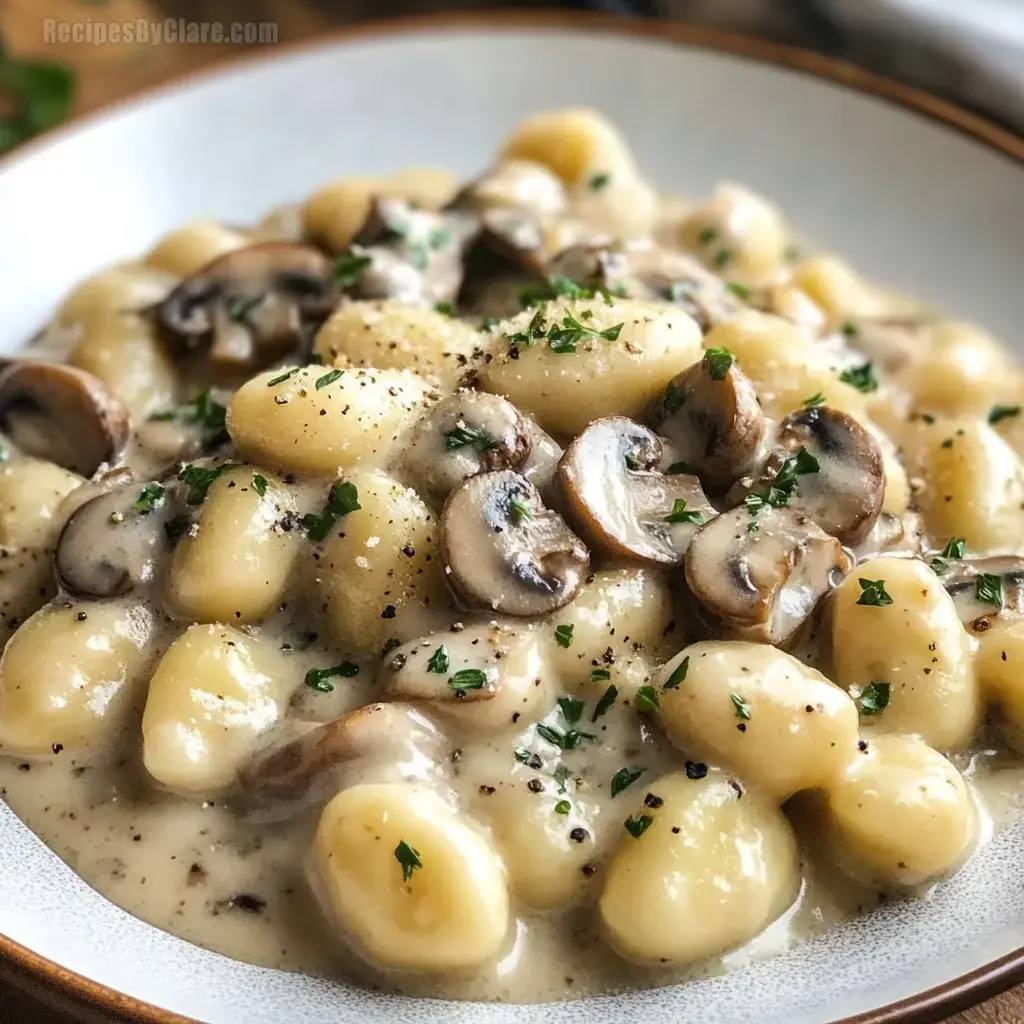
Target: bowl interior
[[909, 201]]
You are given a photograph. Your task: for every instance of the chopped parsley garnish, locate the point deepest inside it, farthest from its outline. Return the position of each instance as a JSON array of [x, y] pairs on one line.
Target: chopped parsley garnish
[[560, 287], [988, 588], [707, 235], [571, 709], [206, 411], [316, 678], [681, 514], [390, 645], [408, 858], [741, 706], [624, 778], [259, 485], [850, 329], [199, 480], [150, 497], [327, 379], [873, 593], [563, 635], [342, 499], [647, 699], [568, 740], [284, 376], [520, 510], [444, 308], [599, 181], [740, 290], [860, 377], [606, 701], [563, 807], [348, 268], [469, 437], [948, 443], [1002, 412], [722, 258], [562, 774], [600, 675], [718, 361], [677, 675], [637, 826], [874, 698], [954, 550], [438, 661], [674, 397], [565, 338], [814, 401], [782, 487], [468, 679]]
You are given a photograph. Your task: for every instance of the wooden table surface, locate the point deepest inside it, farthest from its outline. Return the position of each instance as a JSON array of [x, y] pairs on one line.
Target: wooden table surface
[[106, 73]]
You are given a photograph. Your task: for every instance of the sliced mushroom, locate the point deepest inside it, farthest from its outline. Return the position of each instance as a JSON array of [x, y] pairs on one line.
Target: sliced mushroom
[[610, 479], [467, 433], [974, 596], [503, 550], [491, 676], [298, 768], [711, 414], [515, 184], [844, 494], [252, 306], [66, 415], [760, 576], [115, 541], [643, 270], [542, 464]]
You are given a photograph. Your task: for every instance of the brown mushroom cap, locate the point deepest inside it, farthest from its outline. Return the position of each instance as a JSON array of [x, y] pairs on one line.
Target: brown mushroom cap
[[66, 415], [844, 496], [466, 433], [714, 420], [760, 577], [614, 491], [113, 542], [504, 551], [643, 270], [291, 771], [252, 306]]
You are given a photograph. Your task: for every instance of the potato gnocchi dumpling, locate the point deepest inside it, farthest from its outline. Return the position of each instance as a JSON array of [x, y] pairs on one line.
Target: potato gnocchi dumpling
[[713, 865], [501, 563], [902, 813], [214, 699], [413, 885], [895, 626]]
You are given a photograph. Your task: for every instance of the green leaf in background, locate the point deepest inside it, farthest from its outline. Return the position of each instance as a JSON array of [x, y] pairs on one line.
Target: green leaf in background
[[41, 91]]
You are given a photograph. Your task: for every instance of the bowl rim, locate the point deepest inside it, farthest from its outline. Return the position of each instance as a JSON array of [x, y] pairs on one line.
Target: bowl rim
[[47, 980]]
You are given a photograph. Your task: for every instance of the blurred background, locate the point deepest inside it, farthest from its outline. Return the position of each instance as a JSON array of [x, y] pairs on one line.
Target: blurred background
[[969, 50]]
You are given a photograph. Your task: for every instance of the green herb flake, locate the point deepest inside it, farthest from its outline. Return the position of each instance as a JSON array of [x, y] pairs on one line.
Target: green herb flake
[[624, 778], [674, 397], [707, 235], [348, 268], [205, 410], [469, 437], [646, 699], [444, 308], [600, 675], [874, 698], [408, 858], [678, 674], [1002, 412], [850, 329], [860, 377], [681, 514], [259, 485], [814, 401], [150, 497], [562, 774], [283, 377], [569, 740], [988, 588], [563, 635], [873, 593], [599, 181], [955, 549], [743, 709], [722, 258], [327, 379], [739, 290], [948, 443], [438, 661], [520, 510], [468, 679], [718, 361], [637, 826], [199, 479], [316, 678], [563, 807], [571, 709], [605, 703], [342, 499], [785, 483]]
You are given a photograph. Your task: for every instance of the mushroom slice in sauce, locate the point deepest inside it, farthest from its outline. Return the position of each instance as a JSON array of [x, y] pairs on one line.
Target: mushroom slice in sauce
[[983, 588], [252, 306], [296, 769], [62, 414], [114, 542], [611, 483], [642, 270], [844, 495], [711, 414], [467, 433], [503, 550], [760, 577]]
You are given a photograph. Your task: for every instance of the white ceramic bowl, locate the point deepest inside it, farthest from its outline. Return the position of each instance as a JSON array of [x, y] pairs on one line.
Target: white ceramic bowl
[[932, 204]]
